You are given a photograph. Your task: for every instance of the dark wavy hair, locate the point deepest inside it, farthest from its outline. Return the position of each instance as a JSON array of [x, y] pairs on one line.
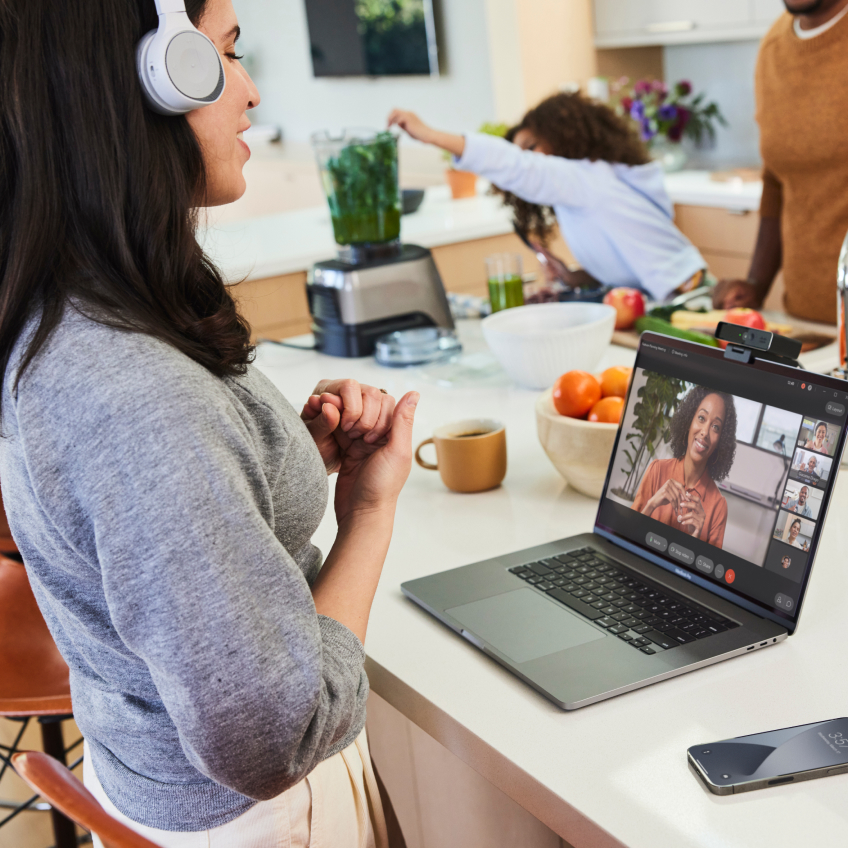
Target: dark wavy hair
[[721, 460], [574, 127], [98, 194]]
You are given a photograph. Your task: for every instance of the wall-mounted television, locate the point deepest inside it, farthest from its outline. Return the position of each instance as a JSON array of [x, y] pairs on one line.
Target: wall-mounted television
[[372, 38]]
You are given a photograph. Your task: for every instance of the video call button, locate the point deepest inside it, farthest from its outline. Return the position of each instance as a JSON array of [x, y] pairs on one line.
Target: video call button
[[784, 601], [730, 576], [719, 573], [835, 409], [656, 541], [678, 552], [704, 564]]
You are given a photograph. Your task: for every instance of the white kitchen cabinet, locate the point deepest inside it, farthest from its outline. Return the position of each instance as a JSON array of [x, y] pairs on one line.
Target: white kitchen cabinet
[[627, 23], [767, 10]]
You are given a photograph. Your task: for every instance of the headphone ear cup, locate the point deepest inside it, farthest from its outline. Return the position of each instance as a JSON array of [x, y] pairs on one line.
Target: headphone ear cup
[[147, 73], [179, 68]]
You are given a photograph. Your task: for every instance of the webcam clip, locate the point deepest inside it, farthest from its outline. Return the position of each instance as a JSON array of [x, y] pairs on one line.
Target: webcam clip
[[747, 344]]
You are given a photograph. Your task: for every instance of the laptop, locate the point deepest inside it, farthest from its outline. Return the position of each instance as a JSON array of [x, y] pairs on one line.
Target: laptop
[[704, 541]]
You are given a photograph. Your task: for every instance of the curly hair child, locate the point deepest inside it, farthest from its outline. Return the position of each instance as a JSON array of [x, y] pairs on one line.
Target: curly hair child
[[574, 160]]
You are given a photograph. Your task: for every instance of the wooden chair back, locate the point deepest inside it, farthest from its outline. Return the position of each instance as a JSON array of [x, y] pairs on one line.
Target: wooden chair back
[[62, 789]]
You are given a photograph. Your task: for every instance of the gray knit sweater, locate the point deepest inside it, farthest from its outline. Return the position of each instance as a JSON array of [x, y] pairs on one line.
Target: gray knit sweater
[[164, 516]]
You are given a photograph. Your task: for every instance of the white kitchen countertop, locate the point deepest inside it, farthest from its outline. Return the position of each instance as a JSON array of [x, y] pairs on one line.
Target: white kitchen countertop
[[614, 772], [271, 245], [696, 188]]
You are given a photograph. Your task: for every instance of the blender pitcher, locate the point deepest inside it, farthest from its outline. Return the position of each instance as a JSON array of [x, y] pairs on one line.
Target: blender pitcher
[[359, 172]]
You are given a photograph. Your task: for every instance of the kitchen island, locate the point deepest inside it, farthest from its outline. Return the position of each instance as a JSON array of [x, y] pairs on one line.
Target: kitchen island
[[472, 756], [268, 256]]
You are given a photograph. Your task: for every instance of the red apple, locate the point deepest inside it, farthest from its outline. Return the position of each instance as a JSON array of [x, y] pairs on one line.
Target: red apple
[[746, 317], [629, 305]]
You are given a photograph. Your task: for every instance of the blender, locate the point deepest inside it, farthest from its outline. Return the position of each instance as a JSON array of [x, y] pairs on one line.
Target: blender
[[376, 284]]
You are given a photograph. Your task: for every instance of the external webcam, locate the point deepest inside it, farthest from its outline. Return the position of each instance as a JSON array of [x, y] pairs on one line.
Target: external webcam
[[747, 343]]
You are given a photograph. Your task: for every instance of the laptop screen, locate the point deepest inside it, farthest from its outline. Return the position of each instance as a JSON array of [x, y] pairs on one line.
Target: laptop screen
[[725, 470]]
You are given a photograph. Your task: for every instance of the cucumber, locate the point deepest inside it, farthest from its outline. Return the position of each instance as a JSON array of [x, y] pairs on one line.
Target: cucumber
[[659, 325]]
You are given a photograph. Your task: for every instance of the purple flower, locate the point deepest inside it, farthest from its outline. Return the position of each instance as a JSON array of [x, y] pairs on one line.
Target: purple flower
[[675, 132], [637, 111], [683, 88], [667, 112], [646, 131]]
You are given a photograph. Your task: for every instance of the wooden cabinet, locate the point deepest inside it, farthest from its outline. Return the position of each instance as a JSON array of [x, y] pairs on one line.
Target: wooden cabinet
[[276, 307], [726, 240], [626, 23], [719, 230]]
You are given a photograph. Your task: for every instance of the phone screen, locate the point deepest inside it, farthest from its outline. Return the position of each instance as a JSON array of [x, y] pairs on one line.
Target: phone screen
[[774, 757]]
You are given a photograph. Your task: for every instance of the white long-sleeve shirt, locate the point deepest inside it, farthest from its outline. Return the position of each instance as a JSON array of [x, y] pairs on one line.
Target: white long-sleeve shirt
[[616, 219]]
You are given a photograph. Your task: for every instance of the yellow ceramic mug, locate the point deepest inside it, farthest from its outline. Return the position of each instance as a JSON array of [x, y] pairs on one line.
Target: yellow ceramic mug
[[470, 455]]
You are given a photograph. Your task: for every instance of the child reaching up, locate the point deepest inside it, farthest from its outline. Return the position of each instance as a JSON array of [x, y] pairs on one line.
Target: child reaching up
[[577, 159]]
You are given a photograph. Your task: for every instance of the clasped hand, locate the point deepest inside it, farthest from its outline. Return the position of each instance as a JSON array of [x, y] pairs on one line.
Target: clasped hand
[[686, 505], [366, 437]]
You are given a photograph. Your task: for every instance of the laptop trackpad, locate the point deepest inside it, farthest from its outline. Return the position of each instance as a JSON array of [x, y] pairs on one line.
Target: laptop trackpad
[[524, 625]]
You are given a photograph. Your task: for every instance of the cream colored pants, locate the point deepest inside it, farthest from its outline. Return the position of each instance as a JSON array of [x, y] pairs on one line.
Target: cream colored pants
[[337, 804]]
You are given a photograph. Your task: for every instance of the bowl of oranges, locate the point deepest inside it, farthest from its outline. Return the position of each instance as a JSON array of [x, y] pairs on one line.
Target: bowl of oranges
[[577, 420]]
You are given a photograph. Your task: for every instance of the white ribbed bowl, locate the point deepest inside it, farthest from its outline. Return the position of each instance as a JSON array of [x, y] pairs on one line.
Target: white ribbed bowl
[[537, 343]]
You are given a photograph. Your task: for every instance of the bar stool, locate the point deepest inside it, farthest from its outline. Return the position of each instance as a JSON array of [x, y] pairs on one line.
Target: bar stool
[[33, 684], [56, 783]]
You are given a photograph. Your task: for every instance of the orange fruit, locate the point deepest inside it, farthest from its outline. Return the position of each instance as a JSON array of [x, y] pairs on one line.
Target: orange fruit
[[575, 393], [607, 410], [615, 380]]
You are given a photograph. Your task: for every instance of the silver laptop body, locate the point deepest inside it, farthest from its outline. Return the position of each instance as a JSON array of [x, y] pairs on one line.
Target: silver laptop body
[[546, 613]]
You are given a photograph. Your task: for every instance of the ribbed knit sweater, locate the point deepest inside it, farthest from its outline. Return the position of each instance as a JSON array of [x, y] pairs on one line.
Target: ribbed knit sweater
[[802, 110], [164, 516]]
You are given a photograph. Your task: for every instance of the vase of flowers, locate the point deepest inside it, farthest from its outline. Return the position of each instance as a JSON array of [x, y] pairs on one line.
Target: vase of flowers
[[665, 116]]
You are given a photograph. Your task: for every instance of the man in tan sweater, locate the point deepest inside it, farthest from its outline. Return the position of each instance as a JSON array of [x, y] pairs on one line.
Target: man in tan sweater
[[802, 110]]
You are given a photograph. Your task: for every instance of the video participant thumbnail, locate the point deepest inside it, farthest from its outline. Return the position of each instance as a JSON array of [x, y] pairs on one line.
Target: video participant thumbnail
[[802, 499], [819, 436], [793, 530], [810, 468], [709, 464], [787, 561]]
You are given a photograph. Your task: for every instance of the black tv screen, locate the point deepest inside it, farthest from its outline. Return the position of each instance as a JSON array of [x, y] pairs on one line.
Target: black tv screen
[[372, 38]]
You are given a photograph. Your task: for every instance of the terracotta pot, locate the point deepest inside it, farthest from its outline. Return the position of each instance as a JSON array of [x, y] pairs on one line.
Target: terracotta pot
[[463, 184]]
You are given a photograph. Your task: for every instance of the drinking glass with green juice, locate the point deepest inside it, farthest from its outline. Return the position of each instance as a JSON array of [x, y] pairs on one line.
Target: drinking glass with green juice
[[505, 282]]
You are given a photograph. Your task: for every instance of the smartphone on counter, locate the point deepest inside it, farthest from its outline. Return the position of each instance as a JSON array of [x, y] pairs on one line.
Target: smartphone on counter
[[774, 757]]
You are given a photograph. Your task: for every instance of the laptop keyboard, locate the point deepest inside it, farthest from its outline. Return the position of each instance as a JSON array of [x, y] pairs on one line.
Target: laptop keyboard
[[646, 616]]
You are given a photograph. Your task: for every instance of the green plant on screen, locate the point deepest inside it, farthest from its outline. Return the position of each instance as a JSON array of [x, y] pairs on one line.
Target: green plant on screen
[[658, 400]]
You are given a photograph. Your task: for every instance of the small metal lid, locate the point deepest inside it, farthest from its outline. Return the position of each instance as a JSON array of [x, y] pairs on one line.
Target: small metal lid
[[416, 347]]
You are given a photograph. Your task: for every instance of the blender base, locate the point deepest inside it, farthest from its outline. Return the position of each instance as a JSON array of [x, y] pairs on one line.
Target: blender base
[[354, 303], [359, 340]]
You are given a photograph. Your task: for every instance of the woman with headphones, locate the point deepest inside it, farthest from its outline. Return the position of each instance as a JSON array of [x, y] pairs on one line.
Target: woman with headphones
[[162, 492]]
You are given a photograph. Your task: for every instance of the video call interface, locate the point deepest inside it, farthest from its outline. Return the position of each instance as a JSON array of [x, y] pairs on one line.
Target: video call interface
[[725, 470]]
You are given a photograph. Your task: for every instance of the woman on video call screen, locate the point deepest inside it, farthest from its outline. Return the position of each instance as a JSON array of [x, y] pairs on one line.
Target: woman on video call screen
[[682, 492]]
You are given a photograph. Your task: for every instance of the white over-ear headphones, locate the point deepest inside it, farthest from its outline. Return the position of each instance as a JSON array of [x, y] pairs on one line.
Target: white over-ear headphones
[[179, 67]]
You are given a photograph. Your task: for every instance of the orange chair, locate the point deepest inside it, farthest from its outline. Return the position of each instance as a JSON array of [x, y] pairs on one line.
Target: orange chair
[[7, 544], [56, 783], [33, 681]]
